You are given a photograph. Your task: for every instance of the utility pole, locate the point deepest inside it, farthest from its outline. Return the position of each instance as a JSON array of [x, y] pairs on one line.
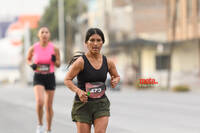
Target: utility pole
[[27, 43], [195, 25], [69, 38], [167, 6], [194, 18], [173, 19], [61, 26]]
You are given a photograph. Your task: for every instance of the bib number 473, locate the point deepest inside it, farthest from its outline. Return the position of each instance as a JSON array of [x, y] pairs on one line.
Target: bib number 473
[[95, 90]]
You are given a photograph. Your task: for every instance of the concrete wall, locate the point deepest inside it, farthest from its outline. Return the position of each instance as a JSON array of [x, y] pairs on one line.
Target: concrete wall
[[185, 58], [185, 65]]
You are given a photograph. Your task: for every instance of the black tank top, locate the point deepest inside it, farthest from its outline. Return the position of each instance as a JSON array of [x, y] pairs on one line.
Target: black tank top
[[90, 74]]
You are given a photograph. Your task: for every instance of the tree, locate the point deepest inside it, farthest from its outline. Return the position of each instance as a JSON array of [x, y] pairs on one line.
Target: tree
[[50, 16]]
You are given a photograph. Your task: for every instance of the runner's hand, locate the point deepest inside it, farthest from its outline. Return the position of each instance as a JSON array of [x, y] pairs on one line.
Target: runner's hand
[[33, 66], [53, 58], [82, 95], [114, 81]]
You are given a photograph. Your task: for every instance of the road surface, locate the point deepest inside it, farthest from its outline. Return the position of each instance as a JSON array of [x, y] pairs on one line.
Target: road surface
[[131, 111]]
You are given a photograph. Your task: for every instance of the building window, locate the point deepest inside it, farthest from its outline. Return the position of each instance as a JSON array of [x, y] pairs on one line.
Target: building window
[[162, 62]]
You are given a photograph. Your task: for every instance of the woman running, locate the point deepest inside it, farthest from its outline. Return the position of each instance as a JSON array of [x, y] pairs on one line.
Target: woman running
[[42, 57], [91, 105]]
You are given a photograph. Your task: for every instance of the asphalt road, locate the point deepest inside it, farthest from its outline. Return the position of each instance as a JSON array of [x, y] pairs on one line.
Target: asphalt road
[[131, 111]]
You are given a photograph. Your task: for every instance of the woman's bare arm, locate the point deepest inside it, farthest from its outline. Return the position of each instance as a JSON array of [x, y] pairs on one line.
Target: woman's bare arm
[[57, 54], [74, 70], [115, 78], [29, 56]]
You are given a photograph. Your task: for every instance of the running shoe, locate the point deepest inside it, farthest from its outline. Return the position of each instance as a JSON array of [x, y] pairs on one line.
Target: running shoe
[[40, 129], [47, 132]]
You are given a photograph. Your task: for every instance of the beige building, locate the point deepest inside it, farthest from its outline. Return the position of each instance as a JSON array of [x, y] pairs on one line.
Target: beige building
[[131, 26], [140, 58], [182, 19]]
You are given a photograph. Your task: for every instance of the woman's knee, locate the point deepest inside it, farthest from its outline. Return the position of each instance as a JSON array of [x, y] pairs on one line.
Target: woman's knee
[[49, 108], [100, 130], [40, 102]]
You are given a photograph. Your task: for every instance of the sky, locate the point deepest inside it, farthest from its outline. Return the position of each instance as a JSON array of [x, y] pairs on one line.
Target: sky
[[18, 7]]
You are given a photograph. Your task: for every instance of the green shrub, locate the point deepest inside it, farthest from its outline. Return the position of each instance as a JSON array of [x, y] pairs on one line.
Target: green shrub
[[163, 88], [181, 88]]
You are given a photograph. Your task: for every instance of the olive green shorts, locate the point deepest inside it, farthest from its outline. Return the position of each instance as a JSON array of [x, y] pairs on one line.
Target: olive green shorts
[[88, 112]]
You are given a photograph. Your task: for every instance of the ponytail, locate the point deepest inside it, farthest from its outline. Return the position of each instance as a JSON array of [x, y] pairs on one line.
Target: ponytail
[[75, 57]]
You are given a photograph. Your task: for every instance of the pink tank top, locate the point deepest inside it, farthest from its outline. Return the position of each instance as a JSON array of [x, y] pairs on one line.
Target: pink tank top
[[42, 55]]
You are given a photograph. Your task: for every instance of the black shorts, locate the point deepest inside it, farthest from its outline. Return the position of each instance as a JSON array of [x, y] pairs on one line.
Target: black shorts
[[47, 80]]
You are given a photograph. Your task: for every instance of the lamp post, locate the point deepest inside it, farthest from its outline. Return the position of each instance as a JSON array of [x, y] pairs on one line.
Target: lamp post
[[61, 26]]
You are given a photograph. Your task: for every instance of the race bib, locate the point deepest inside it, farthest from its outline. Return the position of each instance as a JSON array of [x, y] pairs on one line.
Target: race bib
[[95, 89], [43, 67]]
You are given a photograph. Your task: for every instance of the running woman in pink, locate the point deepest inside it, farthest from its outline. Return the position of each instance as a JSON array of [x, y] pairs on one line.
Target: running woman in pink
[[42, 57]]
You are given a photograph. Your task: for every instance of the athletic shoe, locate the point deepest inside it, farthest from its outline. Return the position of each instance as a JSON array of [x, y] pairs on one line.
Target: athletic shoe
[[47, 132], [40, 129]]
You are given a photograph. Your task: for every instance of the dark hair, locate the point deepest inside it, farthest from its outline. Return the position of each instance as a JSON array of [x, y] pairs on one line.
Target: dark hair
[[89, 33], [93, 31], [43, 26], [75, 57]]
